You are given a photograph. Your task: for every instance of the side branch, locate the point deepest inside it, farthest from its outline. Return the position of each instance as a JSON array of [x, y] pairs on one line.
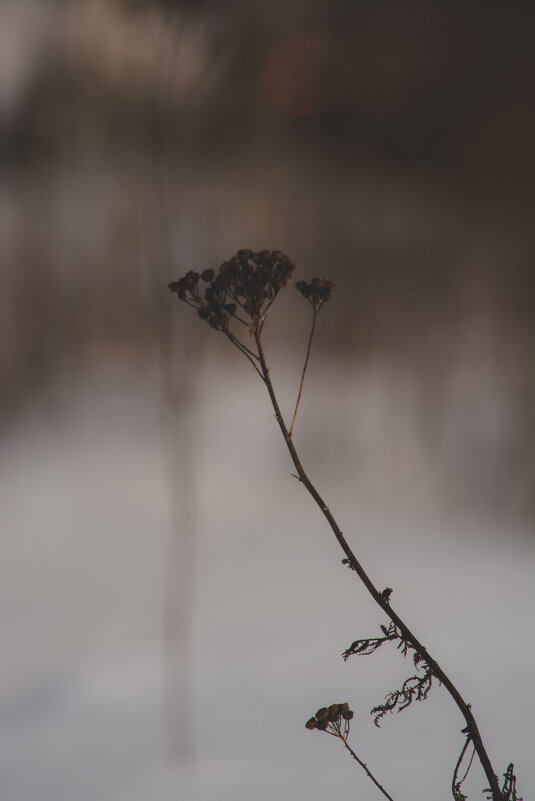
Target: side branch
[[456, 782], [307, 357]]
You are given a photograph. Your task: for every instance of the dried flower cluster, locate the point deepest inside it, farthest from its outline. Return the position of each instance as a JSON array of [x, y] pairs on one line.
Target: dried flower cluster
[[335, 720], [330, 716], [317, 292], [248, 284]]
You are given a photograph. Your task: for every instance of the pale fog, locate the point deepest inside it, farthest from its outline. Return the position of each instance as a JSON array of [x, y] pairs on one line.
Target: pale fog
[[174, 607]]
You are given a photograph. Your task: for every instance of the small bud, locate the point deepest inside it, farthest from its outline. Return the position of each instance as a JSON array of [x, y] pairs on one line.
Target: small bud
[[311, 724], [322, 713], [208, 275]]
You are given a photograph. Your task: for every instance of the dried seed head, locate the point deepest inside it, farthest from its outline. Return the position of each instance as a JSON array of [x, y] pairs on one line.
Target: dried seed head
[[317, 292], [333, 713], [249, 281], [329, 718]]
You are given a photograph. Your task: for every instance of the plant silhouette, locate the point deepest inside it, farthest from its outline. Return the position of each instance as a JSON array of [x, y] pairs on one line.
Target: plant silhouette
[[236, 301]]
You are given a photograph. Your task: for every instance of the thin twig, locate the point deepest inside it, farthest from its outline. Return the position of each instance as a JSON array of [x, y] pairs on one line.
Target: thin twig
[[456, 785], [243, 349], [365, 767], [240, 320], [233, 338], [307, 357]]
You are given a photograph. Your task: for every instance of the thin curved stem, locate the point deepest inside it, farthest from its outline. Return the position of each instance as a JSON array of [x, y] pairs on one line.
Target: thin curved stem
[[243, 349], [307, 357], [239, 344], [365, 767], [456, 784], [376, 595], [240, 320]]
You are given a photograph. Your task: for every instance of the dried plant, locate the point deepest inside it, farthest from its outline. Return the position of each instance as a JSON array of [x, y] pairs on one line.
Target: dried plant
[[415, 688], [335, 720], [236, 301]]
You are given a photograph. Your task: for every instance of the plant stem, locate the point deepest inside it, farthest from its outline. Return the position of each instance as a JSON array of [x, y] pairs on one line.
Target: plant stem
[[365, 767], [376, 595], [455, 784], [307, 357]]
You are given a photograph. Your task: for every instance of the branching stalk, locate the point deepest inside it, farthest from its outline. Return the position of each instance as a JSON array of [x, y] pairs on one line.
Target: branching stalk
[[250, 281], [376, 595], [307, 357]]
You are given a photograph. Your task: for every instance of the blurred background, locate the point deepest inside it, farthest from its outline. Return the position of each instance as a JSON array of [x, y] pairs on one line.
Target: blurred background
[[172, 607]]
